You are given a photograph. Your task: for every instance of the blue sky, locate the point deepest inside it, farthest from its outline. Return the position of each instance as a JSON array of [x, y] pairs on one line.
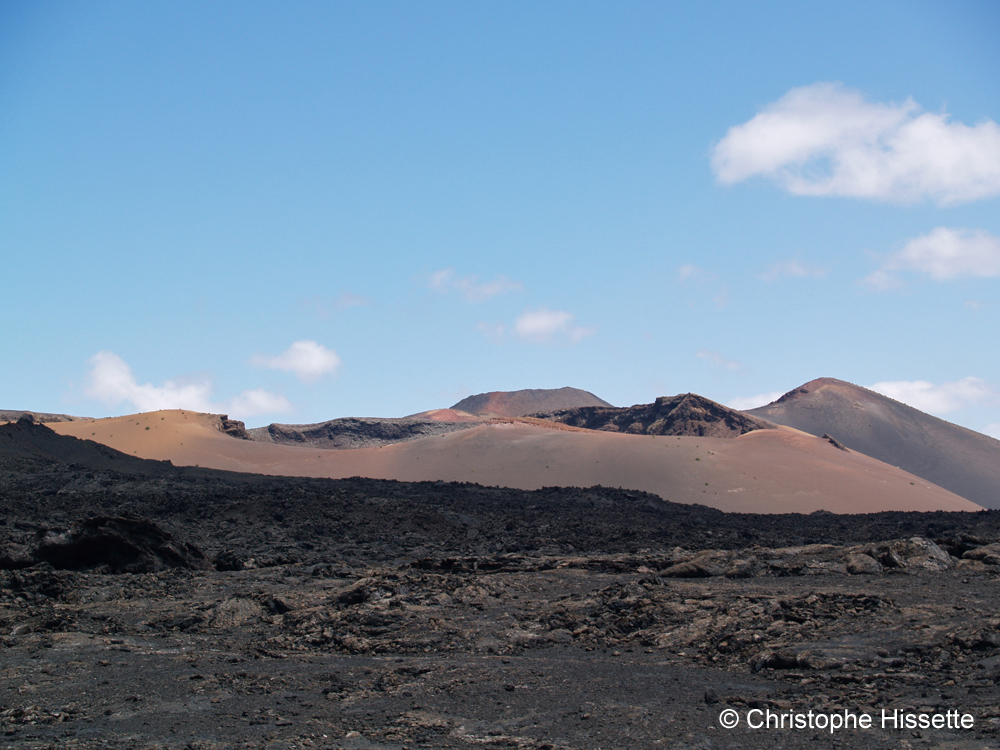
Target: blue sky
[[298, 211]]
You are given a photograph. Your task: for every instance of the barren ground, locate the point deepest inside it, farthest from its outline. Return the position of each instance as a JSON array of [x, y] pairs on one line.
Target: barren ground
[[377, 614]]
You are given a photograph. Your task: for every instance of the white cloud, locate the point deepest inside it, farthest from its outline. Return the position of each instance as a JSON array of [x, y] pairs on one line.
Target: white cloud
[[939, 399], [543, 325], [825, 139], [111, 382], [718, 360], [881, 280], [694, 273], [259, 401], [471, 289], [792, 268], [944, 254], [993, 430], [742, 403], [308, 360]]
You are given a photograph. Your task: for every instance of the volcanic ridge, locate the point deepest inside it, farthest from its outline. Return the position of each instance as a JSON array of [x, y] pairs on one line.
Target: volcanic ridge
[[950, 456], [684, 449]]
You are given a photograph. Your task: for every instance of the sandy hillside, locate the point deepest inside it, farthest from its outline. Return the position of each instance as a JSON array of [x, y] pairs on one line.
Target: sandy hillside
[[445, 415], [767, 471]]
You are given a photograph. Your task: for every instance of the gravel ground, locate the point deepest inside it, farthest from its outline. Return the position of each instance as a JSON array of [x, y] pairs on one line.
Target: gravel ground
[[198, 609]]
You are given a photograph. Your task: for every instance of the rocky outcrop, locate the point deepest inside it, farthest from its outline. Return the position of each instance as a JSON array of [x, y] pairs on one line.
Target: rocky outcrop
[[117, 545], [686, 414], [353, 432], [233, 427]]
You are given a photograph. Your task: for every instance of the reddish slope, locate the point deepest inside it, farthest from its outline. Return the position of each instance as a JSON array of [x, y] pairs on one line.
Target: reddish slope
[[530, 401], [765, 471]]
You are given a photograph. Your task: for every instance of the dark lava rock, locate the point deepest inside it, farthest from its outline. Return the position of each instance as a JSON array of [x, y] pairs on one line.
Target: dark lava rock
[[834, 442], [353, 432], [118, 545], [692, 569], [233, 427], [688, 414], [861, 564], [228, 560]]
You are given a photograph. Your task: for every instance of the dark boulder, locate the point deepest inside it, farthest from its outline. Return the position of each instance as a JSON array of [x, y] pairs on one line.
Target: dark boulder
[[233, 427], [117, 545]]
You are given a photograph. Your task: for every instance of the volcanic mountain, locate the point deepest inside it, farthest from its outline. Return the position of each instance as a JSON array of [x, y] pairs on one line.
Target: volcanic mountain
[[778, 470], [687, 414], [364, 432], [953, 457], [529, 401]]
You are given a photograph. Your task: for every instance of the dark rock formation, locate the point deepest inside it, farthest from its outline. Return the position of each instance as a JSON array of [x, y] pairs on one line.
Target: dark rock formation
[[687, 414], [233, 427], [834, 442], [353, 432], [117, 545]]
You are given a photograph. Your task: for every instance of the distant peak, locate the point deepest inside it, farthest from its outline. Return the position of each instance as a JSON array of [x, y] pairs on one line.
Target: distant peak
[[527, 401], [815, 385]]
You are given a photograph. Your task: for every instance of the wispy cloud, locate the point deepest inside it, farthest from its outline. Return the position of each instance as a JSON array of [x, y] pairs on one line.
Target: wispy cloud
[[939, 399], [943, 255], [307, 360], [691, 272], [469, 287], [742, 403], [718, 360], [792, 269], [111, 382], [544, 325], [347, 300], [826, 139], [540, 326], [258, 401]]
